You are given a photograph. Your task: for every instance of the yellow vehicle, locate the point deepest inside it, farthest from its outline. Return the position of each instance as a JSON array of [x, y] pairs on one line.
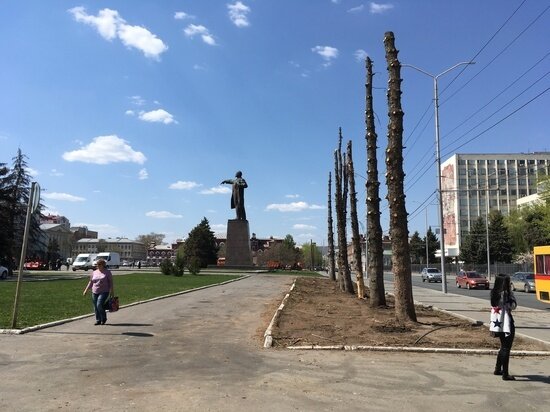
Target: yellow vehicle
[[541, 258]]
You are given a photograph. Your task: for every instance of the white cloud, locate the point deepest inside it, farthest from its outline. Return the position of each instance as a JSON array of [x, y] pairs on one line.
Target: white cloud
[[105, 23], [32, 172], [62, 196], [54, 172], [129, 113], [356, 9], [327, 53], [181, 15], [306, 235], [163, 215], [104, 150], [137, 100], [238, 13], [292, 207], [219, 190], [219, 228], [379, 8], [193, 29], [143, 174], [199, 67], [110, 25], [292, 196], [142, 39], [183, 185], [360, 55], [157, 116], [300, 226]]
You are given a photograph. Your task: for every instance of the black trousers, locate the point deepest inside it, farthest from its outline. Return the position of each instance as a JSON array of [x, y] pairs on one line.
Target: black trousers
[[503, 357]]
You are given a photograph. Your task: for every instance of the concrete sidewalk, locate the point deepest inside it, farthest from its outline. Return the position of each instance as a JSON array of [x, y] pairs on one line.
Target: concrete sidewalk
[[202, 351], [530, 323]]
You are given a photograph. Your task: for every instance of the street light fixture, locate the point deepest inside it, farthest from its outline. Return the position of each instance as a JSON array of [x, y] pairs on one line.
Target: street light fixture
[[438, 163]]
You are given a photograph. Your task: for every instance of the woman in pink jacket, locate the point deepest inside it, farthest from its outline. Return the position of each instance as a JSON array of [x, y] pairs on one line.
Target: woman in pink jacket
[[101, 283]]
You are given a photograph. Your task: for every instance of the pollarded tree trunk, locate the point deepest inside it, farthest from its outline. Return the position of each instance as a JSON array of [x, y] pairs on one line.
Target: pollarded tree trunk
[[374, 229], [331, 261], [355, 237], [399, 233], [344, 275]]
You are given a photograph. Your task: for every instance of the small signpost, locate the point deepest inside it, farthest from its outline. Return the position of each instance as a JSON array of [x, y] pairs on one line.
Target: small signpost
[[34, 201]]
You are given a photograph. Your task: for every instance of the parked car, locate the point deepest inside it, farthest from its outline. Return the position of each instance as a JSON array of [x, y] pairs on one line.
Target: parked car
[[431, 275], [470, 279], [3, 272], [36, 265], [523, 281]]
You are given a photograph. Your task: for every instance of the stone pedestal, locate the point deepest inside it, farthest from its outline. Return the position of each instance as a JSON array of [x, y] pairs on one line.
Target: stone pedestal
[[237, 247]]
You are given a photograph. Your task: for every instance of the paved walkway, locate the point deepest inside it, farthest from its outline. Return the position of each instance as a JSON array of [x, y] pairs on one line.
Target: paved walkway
[[202, 351], [531, 323]]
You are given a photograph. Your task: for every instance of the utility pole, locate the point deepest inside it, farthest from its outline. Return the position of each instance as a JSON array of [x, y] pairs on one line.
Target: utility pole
[[427, 249], [438, 164]]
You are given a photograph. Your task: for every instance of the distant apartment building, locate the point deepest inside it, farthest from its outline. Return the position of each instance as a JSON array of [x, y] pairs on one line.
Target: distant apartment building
[[82, 232], [475, 184], [129, 250], [55, 230]]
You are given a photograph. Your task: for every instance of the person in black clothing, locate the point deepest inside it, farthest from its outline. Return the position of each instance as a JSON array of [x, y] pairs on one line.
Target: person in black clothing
[[502, 323]]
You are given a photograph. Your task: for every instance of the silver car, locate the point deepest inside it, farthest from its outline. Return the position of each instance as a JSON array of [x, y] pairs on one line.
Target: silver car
[[431, 275], [3, 272], [523, 281]]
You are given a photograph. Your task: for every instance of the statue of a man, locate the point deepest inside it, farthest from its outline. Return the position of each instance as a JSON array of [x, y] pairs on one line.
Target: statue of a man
[[237, 197]]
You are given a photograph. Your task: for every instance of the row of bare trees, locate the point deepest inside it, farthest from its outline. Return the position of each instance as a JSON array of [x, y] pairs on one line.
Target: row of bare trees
[[344, 176]]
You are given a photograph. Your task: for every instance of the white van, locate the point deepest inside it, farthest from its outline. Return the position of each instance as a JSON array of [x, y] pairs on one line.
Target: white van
[[84, 261], [111, 258]]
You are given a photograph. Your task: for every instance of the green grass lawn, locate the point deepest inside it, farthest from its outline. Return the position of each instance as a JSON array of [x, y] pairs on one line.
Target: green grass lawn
[[48, 301]]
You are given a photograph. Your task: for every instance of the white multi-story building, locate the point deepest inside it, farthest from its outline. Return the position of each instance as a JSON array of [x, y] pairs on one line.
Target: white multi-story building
[[130, 250], [474, 184]]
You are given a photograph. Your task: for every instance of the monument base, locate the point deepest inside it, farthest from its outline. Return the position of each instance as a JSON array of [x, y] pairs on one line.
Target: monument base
[[237, 246]]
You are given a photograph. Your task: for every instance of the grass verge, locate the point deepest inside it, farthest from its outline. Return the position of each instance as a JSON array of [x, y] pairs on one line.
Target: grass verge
[[48, 301]]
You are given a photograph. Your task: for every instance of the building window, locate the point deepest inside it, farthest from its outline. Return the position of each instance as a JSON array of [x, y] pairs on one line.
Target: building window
[[513, 192], [462, 171], [481, 171], [500, 162], [502, 181], [462, 182], [511, 172], [523, 192], [462, 162], [532, 161], [503, 202]]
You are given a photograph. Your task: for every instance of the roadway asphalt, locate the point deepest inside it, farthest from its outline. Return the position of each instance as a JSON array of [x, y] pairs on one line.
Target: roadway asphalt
[[202, 351]]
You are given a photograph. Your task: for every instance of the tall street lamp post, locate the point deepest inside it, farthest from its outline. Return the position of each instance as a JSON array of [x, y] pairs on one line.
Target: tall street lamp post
[[438, 164]]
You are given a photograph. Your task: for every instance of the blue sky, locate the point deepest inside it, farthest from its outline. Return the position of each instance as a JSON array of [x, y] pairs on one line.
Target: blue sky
[[132, 112]]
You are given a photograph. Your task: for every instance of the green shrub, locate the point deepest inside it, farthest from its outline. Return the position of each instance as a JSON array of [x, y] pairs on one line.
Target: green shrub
[[194, 265], [166, 267]]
